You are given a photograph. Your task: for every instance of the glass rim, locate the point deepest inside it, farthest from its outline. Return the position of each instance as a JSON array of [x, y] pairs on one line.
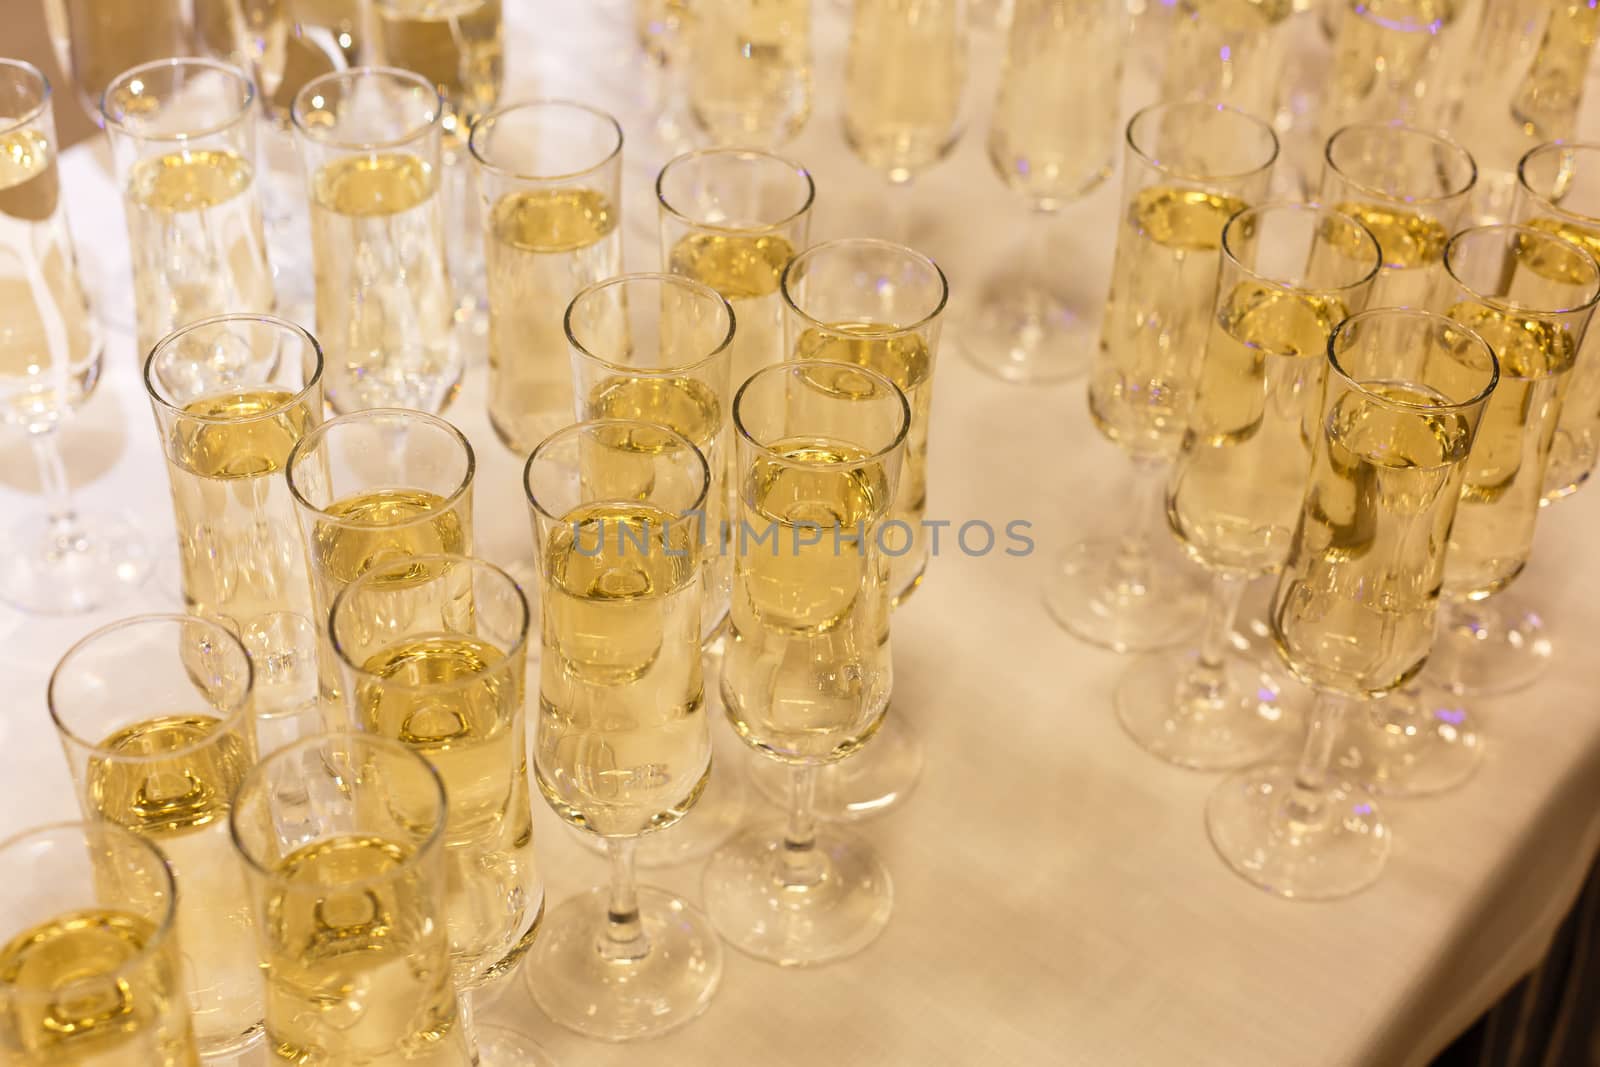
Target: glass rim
[[588, 426], [663, 278], [744, 153], [1300, 207], [1460, 237], [1423, 314], [1544, 197], [169, 917], [1400, 128], [519, 647], [217, 65], [422, 851], [33, 114], [792, 366], [553, 102], [231, 719], [865, 242], [313, 380], [352, 74], [318, 433], [1174, 105]]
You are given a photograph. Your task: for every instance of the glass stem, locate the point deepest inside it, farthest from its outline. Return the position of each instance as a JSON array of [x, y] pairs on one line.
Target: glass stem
[[66, 536], [1130, 571], [1036, 253], [800, 865], [898, 211], [1207, 679], [1308, 802], [468, 1024], [624, 937]]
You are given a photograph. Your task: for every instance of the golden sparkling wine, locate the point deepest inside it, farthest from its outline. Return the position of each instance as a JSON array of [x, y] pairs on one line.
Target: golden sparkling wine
[[749, 70], [180, 803], [1228, 51], [106, 1010], [806, 672], [380, 527], [905, 360], [195, 231], [544, 245], [746, 270], [1238, 479], [1493, 532], [240, 551], [1157, 317], [455, 44], [384, 303], [48, 345], [96, 40], [1412, 244], [621, 747], [1356, 610], [1394, 60], [904, 75], [356, 962]]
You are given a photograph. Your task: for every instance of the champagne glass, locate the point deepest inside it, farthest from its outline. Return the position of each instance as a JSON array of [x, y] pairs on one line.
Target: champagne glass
[[1399, 61], [904, 77], [50, 357], [1530, 295], [369, 139], [661, 28], [748, 70], [342, 841], [373, 487], [1228, 51], [433, 653], [1411, 189], [1052, 138], [622, 746], [550, 172], [231, 396], [1290, 274], [89, 912], [96, 40], [807, 672], [1189, 168], [1353, 614], [154, 714]]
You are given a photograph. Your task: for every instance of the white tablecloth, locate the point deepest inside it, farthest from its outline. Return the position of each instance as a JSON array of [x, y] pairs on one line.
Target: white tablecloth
[[1056, 899]]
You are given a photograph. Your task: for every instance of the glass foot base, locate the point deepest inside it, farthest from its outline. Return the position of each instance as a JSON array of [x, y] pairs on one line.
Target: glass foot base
[[1414, 742], [1496, 646], [617, 999], [840, 912], [1025, 336], [874, 780], [1086, 598], [107, 562], [1242, 721], [499, 1046], [1252, 819]]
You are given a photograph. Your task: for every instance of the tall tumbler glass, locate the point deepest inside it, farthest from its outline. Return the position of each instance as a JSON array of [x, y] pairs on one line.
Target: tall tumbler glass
[[232, 395], [50, 360], [433, 653], [371, 488], [183, 135], [1353, 614], [89, 962], [96, 40], [1410, 188], [1529, 294], [154, 714], [1290, 274], [622, 746], [1189, 167], [341, 838], [550, 174], [369, 139], [807, 673], [748, 70]]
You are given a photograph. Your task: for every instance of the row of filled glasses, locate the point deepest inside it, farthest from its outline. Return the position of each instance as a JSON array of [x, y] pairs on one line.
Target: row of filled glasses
[[1364, 396]]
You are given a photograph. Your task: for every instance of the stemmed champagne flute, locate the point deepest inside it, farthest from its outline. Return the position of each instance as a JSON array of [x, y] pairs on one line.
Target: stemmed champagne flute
[[1353, 614], [154, 714], [87, 918], [904, 78], [1290, 274], [621, 747], [1189, 168], [1228, 52], [96, 40], [50, 358], [1052, 138], [1530, 295], [1401, 61], [807, 673], [342, 841], [748, 70], [433, 653]]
